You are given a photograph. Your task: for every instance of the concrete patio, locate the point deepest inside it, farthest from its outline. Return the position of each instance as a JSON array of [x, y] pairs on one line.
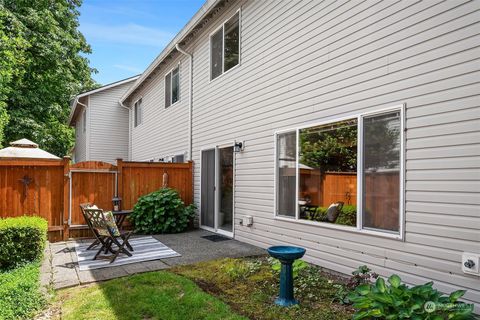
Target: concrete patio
[[60, 265]]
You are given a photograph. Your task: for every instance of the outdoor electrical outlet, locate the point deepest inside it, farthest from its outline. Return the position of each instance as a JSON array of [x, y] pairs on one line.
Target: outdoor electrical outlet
[[471, 263]]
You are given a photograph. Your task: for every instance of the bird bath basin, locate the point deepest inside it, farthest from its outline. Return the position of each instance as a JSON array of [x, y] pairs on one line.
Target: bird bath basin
[[286, 255]]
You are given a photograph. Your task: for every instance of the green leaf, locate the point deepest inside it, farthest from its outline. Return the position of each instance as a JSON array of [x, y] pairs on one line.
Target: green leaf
[[363, 289], [394, 280], [380, 284], [454, 296]]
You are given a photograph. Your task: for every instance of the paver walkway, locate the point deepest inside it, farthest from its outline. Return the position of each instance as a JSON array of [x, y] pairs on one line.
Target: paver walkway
[[60, 266]]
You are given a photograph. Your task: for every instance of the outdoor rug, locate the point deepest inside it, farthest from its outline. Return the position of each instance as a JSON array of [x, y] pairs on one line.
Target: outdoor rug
[[145, 248]]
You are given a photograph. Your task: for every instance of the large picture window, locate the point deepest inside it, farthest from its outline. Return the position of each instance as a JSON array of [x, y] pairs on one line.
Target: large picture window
[[345, 172], [225, 47]]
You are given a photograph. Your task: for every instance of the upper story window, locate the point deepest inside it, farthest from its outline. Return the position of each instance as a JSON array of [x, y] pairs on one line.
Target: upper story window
[[225, 47], [138, 113], [346, 172], [84, 121], [172, 87]]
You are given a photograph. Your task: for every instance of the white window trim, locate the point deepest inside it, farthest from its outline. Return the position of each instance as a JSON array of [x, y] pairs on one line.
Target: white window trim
[[165, 86], [222, 26], [134, 113], [358, 229]]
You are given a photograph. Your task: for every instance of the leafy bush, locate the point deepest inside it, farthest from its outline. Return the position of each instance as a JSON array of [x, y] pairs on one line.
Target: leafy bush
[[22, 240], [19, 292], [161, 211], [347, 216], [398, 301]]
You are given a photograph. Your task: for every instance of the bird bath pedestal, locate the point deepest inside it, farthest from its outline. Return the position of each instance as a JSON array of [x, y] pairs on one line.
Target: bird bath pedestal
[[286, 255]]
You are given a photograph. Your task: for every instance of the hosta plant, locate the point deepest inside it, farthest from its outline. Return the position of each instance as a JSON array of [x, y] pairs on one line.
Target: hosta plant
[[393, 300], [161, 211]]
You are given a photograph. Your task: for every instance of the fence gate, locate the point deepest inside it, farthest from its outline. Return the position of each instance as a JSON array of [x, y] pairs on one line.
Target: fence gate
[[93, 182]]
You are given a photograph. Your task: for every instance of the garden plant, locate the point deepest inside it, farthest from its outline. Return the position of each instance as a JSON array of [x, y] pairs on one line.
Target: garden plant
[[161, 211]]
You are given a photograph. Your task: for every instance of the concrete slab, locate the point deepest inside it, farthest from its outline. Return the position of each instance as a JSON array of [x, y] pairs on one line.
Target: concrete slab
[[62, 264]]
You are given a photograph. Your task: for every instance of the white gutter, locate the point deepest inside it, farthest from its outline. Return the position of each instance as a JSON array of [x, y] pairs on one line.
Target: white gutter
[[190, 100], [78, 102], [130, 139], [198, 17]]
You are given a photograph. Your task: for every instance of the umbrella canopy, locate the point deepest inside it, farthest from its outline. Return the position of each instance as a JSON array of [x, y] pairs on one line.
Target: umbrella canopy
[[25, 148]]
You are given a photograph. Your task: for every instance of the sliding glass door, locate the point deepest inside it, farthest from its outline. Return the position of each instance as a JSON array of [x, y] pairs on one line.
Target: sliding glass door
[[216, 208]]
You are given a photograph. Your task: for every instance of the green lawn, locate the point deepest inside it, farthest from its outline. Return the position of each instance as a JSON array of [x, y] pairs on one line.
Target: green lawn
[[155, 295], [219, 289]]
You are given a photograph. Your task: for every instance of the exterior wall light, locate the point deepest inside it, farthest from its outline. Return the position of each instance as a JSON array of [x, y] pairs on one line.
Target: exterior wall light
[[238, 146]]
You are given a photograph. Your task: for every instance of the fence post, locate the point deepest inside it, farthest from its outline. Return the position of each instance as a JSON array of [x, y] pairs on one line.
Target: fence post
[[66, 197], [190, 177], [120, 178]]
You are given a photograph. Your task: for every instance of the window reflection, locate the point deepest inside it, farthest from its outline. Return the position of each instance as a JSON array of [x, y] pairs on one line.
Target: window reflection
[[328, 173]]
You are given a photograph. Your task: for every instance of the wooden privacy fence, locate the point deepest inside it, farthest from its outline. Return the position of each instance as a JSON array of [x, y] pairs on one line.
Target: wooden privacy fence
[[381, 189], [54, 189]]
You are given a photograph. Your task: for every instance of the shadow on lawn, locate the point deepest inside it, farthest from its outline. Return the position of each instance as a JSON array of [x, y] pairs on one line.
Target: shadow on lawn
[[139, 295]]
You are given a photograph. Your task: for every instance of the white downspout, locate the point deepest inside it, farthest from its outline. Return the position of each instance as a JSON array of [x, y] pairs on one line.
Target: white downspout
[[190, 101], [129, 148], [87, 129]]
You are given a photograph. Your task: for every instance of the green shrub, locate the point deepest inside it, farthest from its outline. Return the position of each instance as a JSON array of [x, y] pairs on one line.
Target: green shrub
[[19, 292], [398, 301], [162, 211], [22, 240], [348, 216]]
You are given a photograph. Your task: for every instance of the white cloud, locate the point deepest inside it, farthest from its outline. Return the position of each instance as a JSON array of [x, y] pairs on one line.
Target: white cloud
[[128, 68], [126, 34]]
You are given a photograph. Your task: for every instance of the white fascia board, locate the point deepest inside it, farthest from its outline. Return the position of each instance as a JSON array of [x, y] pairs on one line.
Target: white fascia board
[[87, 93], [199, 16]]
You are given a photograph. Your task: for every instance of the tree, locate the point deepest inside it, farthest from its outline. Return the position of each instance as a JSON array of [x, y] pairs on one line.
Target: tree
[[330, 148], [48, 69], [12, 46], [334, 147]]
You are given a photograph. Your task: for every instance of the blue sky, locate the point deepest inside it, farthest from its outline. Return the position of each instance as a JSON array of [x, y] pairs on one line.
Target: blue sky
[[126, 35]]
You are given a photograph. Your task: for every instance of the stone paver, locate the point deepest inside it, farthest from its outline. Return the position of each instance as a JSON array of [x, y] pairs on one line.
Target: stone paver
[[60, 266]]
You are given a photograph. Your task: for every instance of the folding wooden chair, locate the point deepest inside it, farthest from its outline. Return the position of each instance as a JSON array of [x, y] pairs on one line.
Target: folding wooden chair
[[98, 238], [104, 225]]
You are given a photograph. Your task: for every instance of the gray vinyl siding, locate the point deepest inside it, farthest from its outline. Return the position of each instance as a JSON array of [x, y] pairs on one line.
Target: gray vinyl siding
[[308, 61], [108, 125], [164, 131]]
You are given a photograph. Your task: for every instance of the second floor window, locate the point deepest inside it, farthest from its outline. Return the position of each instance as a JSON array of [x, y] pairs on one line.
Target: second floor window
[[137, 109], [225, 47], [172, 87]]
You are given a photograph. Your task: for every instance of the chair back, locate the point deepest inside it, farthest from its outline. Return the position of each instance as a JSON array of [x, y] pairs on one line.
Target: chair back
[[333, 211], [84, 206], [102, 222]]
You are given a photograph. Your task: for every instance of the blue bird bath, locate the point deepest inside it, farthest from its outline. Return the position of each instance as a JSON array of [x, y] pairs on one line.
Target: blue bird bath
[[286, 255]]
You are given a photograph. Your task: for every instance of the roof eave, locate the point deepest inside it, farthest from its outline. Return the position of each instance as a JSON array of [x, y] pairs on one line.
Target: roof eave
[[90, 92], [198, 17]]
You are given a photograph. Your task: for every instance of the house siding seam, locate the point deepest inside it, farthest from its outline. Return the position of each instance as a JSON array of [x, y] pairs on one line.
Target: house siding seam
[[306, 62]]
